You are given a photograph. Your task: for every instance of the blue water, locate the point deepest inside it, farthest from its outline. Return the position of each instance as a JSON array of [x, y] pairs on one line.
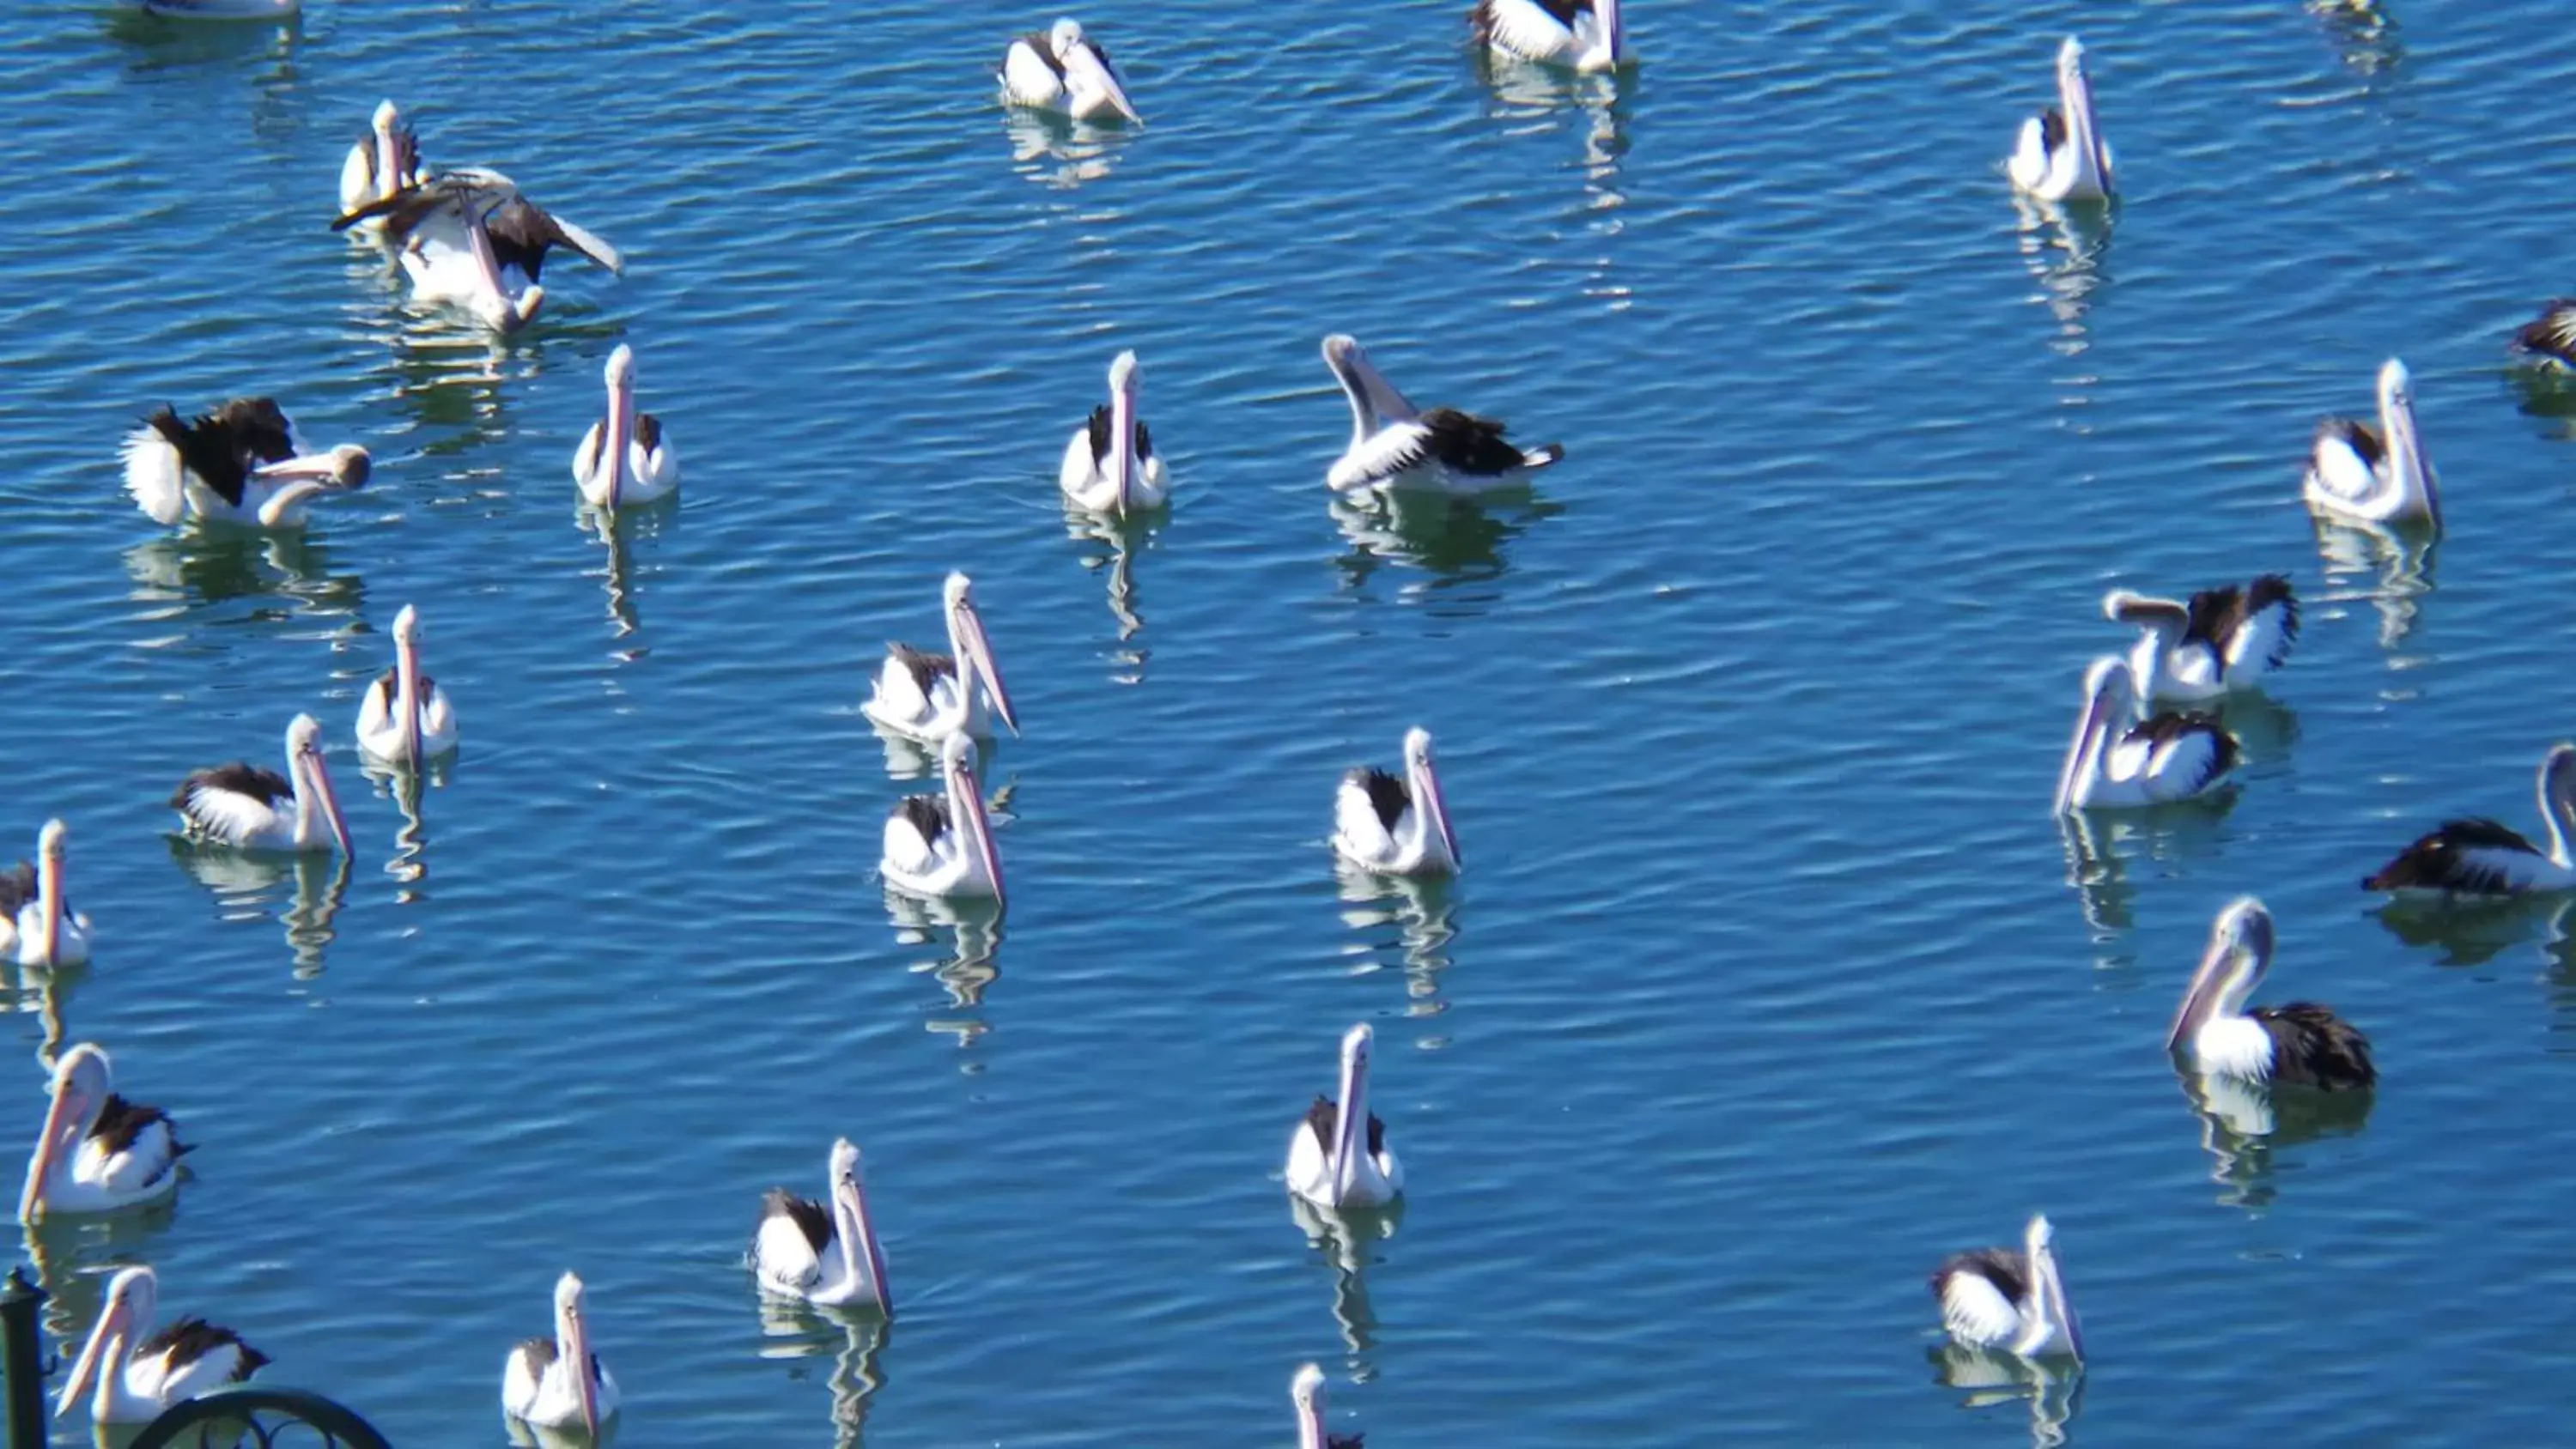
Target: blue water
[[1770, 980]]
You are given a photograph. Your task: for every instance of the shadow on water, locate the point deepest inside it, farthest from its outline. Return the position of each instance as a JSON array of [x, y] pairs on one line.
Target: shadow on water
[[2054, 1392], [2068, 252], [407, 788], [1458, 539], [1423, 921], [798, 1333], [972, 933], [201, 566], [1345, 1238], [246, 883], [1059, 152], [616, 534], [2243, 1127], [1114, 544], [2402, 566], [2474, 930], [158, 43]]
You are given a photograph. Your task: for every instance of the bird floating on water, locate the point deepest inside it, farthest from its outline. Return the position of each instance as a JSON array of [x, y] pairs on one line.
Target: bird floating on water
[[469, 236], [1307, 1392], [1109, 463], [2379, 475], [404, 717], [2062, 156], [1397, 826], [1584, 34], [37, 925], [1338, 1157], [2000, 1298], [942, 845], [1066, 73], [2487, 857], [2301, 1044], [1395, 445], [383, 162], [2224, 639], [823, 1252], [559, 1383], [97, 1151], [237, 464], [2116, 762], [140, 1374], [249, 808], [2550, 337], [625, 458], [928, 697]]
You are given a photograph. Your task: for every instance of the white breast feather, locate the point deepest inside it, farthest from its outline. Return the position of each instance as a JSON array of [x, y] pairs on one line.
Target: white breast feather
[[785, 1257], [1975, 1311]]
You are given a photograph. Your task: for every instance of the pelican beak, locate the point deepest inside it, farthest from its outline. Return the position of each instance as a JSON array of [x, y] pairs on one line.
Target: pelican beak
[[855, 1194], [49, 907], [1436, 805], [115, 1323], [586, 1381], [971, 807], [2202, 995], [621, 429], [2085, 723], [345, 466], [970, 633], [1085, 62], [408, 662], [2061, 1309], [51, 1143], [319, 776]]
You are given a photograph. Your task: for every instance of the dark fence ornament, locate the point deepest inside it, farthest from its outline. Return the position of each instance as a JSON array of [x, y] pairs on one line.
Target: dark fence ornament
[[259, 1418]]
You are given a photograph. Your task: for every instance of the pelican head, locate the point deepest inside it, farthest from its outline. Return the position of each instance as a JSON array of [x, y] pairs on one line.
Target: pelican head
[[387, 117], [1307, 1391], [966, 804], [621, 369], [50, 840], [344, 466], [1064, 36], [2128, 606], [572, 1345], [407, 626], [83, 1079], [2108, 692], [1122, 372], [2049, 1313], [312, 779], [50, 853], [2240, 950], [974, 650], [1423, 777], [132, 1296], [1350, 1131], [2408, 469], [858, 1234], [1121, 461]]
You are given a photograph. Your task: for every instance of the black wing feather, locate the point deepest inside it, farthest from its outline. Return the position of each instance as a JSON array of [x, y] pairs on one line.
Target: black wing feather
[[927, 813], [121, 1121], [241, 777], [1466, 443], [811, 1217], [192, 1338], [2357, 435], [2007, 1268], [17, 888], [1387, 794], [2553, 333], [2218, 614], [2313, 1047], [2439, 859]]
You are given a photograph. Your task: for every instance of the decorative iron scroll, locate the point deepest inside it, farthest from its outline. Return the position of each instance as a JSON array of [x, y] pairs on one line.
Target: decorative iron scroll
[[248, 1415]]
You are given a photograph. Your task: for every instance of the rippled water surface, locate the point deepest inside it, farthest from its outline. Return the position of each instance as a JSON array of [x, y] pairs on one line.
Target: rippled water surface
[[1770, 980]]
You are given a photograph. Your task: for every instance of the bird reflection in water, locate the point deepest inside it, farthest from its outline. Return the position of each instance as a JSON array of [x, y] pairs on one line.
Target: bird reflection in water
[[246, 883], [972, 929], [280, 576], [43, 990], [2242, 1127], [1529, 97], [2101, 844], [797, 1333], [1118, 542], [2474, 930], [2068, 253], [1347, 1238], [2400, 563], [2364, 32], [1459, 539], [2054, 1389], [451, 378], [1424, 919], [616, 534], [407, 788], [1059, 153], [157, 43]]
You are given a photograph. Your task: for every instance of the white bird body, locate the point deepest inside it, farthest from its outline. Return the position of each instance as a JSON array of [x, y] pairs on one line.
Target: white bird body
[[2378, 476], [97, 1152], [2114, 763], [253, 809], [1338, 1156], [625, 458], [1109, 464], [2300, 1044], [824, 1254], [1397, 826], [237, 464], [1584, 34], [383, 162], [558, 1383], [2223, 640], [469, 237], [2061, 155], [2487, 858], [1997, 1298], [942, 846], [1063, 73], [405, 718], [928, 697], [1395, 445], [138, 1375], [38, 927]]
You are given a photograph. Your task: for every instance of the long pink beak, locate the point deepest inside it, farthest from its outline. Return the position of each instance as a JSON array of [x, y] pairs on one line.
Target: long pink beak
[[971, 810], [51, 1144], [971, 638], [49, 908], [320, 778]]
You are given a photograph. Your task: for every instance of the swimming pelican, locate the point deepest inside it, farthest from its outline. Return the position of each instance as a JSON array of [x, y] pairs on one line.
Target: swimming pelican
[[651, 466], [2114, 764], [404, 717], [384, 161], [2225, 639], [470, 236], [250, 808], [1397, 826], [237, 464], [36, 924], [1584, 34], [558, 1383], [2062, 156], [140, 1374], [826, 1255], [1326, 1165], [1062, 72], [2376, 475], [924, 852], [2486, 857], [97, 1151], [1109, 463], [1999, 1298], [1307, 1390], [2551, 337], [1393, 445], [928, 697], [2301, 1044]]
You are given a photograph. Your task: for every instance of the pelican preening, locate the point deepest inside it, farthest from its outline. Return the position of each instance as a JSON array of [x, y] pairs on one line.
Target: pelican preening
[[2000, 1298], [942, 845], [404, 717], [1109, 463], [249, 808], [2486, 857], [1062, 72], [469, 236], [1397, 826], [2115, 763], [384, 161], [1307, 1392], [2224, 639], [2062, 156], [137, 1373], [2550, 337], [624, 459], [1395, 445], [1338, 1156], [37, 925], [558, 1383], [823, 1253], [237, 464], [928, 697], [2376, 475], [1584, 34], [97, 1151], [2301, 1044]]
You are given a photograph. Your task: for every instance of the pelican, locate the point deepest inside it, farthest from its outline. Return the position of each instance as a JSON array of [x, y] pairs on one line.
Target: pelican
[[249, 808], [384, 161], [237, 464], [1999, 1298], [558, 1383], [1326, 1165], [1395, 446], [2551, 337], [98, 1152], [36, 924], [2485, 857], [928, 697], [1307, 1390], [469, 236], [1109, 463], [624, 458], [2301, 1044], [1062, 72], [2376, 475], [140, 1374], [826, 1255], [404, 717], [2062, 156], [1584, 34], [2224, 639], [2114, 764], [1396, 826], [924, 852]]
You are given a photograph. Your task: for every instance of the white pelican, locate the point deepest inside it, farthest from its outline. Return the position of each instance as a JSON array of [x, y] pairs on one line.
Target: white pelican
[[2224, 639], [1062, 72], [2301, 1044], [404, 716], [558, 1383], [384, 161], [237, 464], [1109, 463], [928, 697], [942, 846], [2551, 336], [825, 1255], [36, 924], [1999, 1298], [1327, 1165], [1584, 34], [250, 808], [140, 1374], [1394, 445], [98, 1152], [2486, 857], [2062, 156], [2376, 475], [1396, 826], [1307, 1391], [468, 236], [624, 459], [2115, 764]]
